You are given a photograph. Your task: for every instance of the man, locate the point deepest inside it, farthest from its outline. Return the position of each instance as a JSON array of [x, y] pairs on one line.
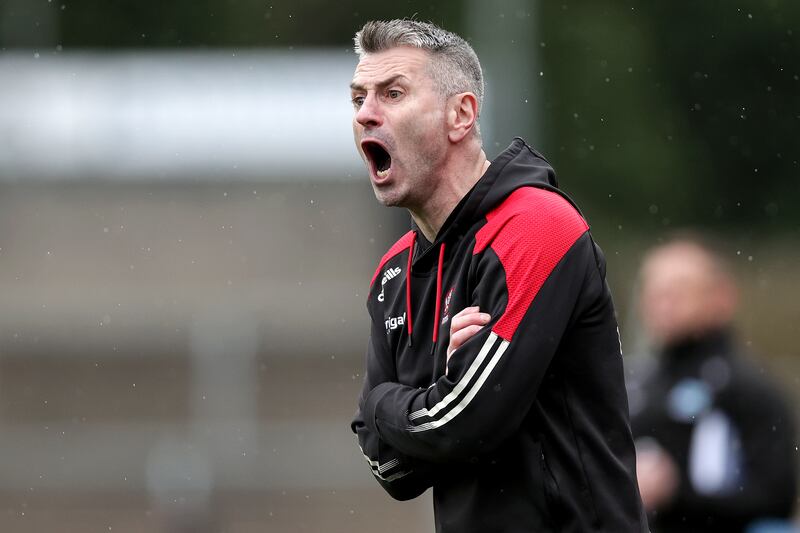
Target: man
[[715, 439], [494, 372]]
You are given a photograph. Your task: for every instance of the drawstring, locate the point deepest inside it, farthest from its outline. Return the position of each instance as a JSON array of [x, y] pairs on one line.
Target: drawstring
[[409, 322], [408, 285], [438, 298]]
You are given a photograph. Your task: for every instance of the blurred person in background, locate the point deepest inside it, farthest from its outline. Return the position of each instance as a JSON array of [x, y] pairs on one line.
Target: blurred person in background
[[714, 437]]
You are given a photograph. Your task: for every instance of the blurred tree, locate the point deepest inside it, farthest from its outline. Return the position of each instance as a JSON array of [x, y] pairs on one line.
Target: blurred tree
[[734, 72], [214, 23], [662, 114]]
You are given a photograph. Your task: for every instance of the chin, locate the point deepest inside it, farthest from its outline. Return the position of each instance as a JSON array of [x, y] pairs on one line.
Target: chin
[[389, 198], [389, 202]]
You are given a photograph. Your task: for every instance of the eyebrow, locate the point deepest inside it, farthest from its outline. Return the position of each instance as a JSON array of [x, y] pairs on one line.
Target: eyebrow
[[358, 87]]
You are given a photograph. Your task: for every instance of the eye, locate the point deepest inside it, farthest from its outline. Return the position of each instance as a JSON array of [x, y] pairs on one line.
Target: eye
[[358, 101], [394, 94]]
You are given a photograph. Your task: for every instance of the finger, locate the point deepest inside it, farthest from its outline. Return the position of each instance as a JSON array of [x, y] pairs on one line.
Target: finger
[[460, 338], [463, 336], [463, 321], [467, 310], [475, 319], [469, 317]]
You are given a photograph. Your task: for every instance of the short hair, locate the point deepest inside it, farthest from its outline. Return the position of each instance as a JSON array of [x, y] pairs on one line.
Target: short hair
[[711, 246], [454, 65]]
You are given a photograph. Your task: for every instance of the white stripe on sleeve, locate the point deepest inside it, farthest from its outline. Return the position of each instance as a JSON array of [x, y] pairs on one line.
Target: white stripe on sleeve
[[461, 385], [468, 398]]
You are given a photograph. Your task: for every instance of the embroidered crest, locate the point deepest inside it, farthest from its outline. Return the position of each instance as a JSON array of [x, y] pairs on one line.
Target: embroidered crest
[[446, 311]]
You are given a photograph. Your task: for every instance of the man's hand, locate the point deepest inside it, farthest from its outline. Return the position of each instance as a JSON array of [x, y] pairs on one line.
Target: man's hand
[[657, 473], [463, 326]]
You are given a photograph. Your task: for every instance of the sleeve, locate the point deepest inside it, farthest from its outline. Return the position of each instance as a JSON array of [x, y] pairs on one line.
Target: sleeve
[[402, 477], [530, 286]]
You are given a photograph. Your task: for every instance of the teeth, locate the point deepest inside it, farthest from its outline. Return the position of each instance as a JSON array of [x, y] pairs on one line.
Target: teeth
[[383, 173]]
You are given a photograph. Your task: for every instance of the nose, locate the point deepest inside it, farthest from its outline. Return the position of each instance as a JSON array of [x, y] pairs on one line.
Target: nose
[[369, 114]]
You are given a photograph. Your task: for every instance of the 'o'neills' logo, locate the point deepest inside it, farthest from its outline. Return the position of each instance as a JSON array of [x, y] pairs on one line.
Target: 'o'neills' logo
[[389, 274]]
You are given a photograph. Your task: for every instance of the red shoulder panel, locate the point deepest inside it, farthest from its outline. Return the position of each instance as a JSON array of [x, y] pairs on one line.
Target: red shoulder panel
[[530, 232], [399, 246]]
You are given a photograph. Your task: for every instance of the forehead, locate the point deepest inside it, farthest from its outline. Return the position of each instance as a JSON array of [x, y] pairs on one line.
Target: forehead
[[677, 262], [399, 61]]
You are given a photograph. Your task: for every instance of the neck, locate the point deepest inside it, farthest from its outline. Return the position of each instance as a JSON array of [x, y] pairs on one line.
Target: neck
[[453, 185], [704, 342]]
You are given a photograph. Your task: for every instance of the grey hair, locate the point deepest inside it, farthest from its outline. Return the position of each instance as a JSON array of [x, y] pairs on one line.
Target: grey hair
[[454, 65]]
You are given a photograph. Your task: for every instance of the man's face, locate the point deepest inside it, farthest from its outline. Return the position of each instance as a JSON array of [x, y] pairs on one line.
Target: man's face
[[399, 125], [682, 294]]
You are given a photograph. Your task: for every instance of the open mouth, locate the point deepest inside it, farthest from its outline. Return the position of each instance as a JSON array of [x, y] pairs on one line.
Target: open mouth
[[379, 157]]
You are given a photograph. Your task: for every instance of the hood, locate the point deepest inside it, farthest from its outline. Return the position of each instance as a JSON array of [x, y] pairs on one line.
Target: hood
[[517, 166]]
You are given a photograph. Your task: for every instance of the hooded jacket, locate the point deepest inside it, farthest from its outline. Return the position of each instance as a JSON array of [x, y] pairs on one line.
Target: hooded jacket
[[526, 428]]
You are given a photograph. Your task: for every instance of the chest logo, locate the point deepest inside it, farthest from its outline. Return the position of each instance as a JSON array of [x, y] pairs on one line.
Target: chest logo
[[388, 275], [446, 312], [395, 322]]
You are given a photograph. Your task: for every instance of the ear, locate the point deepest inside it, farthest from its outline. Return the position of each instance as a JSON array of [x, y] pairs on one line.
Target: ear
[[462, 112]]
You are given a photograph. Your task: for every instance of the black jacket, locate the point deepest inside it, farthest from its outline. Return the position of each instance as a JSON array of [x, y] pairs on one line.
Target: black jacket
[[528, 429], [705, 404]]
